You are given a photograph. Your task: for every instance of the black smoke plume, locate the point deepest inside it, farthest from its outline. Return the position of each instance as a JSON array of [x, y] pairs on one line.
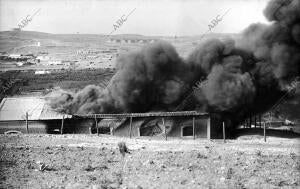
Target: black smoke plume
[[234, 77], [153, 78]]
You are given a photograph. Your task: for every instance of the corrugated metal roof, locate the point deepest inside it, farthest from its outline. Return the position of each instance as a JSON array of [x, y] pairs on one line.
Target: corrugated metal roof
[[148, 114], [48, 113], [37, 108]]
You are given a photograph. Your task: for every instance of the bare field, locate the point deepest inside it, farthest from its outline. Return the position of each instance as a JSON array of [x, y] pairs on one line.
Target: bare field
[[89, 161]]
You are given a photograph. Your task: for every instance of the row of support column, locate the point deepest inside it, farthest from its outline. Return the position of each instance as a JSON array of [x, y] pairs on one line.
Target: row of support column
[[248, 124], [165, 129], [130, 129], [253, 119], [163, 122], [96, 123], [130, 126]]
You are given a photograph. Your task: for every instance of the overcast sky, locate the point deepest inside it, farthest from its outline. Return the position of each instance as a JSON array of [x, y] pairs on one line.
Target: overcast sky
[[150, 17]]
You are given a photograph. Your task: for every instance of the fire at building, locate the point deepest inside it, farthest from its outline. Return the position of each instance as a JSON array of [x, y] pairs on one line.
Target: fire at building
[[239, 77]]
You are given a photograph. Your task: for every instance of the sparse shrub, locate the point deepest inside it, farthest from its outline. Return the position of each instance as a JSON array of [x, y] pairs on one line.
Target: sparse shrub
[[258, 153], [293, 155], [201, 156], [229, 173]]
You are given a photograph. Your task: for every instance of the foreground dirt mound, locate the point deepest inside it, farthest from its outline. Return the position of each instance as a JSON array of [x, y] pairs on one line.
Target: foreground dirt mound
[[86, 161]]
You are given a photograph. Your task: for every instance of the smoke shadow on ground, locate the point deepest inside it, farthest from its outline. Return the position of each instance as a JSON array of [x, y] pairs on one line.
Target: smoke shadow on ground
[[269, 133]]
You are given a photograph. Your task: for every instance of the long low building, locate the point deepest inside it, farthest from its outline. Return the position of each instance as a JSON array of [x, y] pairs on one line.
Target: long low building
[[184, 124], [34, 115]]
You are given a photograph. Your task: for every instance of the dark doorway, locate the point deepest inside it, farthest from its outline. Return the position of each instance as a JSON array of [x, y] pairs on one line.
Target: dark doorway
[[187, 131], [104, 130]]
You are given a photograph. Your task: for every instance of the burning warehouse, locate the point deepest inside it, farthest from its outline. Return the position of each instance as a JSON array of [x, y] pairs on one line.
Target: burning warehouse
[[236, 77], [33, 115], [157, 124]]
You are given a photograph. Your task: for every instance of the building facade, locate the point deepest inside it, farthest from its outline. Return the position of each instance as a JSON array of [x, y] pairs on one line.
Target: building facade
[[188, 124]]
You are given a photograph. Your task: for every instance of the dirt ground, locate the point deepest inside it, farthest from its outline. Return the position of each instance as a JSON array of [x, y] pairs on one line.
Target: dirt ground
[[91, 161]]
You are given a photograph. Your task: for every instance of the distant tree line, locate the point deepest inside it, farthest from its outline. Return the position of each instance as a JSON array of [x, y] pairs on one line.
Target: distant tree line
[[17, 82]]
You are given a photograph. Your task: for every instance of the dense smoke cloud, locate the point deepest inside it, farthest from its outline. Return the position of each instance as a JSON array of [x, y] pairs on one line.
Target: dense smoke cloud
[[249, 75], [226, 90], [80, 102], [153, 78], [277, 44], [238, 77]]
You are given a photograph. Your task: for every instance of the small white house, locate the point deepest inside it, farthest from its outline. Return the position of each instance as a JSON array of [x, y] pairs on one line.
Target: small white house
[[42, 58], [20, 63], [288, 122], [15, 56], [41, 72], [55, 62]]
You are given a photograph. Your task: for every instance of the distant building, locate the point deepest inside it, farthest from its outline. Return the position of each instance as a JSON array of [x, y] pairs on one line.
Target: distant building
[[3, 53], [16, 29], [55, 62], [41, 72], [14, 56], [32, 61], [43, 53], [106, 57], [91, 57], [43, 58], [67, 63], [129, 41], [113, 50], [28, 55], [20, 63], [153, 40]]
